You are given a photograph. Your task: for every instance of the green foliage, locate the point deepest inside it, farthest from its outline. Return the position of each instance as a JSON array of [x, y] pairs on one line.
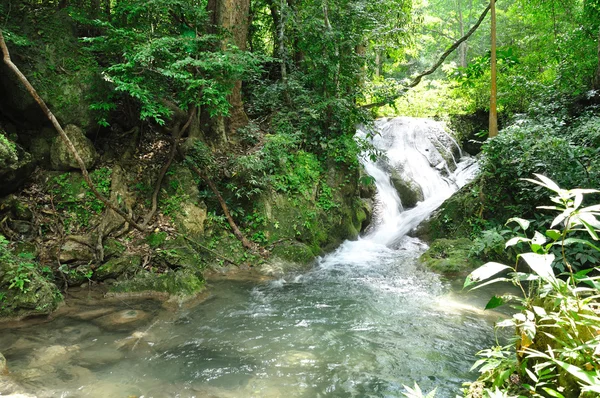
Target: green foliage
[[557, 327], [76, 200], [537, 145], [8, 151], [155, 54], [156, 239]]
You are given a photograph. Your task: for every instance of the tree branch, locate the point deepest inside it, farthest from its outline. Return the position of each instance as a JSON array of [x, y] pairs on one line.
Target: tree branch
[[62, 134], [433, 68]]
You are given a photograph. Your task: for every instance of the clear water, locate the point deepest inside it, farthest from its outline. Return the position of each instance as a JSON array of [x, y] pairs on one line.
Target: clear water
[[364, 322]]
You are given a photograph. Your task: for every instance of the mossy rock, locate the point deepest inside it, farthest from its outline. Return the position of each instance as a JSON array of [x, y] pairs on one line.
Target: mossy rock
[[183, 282], [113, 248], [39, 296], [117, 267], [455, 217], [449, 256], [297, 253]]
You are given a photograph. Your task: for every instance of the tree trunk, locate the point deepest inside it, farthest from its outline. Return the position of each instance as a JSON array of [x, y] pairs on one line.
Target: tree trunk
[[493, 107], [232, 16]]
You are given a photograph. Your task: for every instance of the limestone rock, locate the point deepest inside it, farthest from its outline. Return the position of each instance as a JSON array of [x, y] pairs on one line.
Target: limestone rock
[[91, 357], [87, 315], [60, 156]]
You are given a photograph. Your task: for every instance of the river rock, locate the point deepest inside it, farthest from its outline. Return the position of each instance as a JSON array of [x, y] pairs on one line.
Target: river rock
[[118, 266], [60, 156], [3, 366], [126, 319]]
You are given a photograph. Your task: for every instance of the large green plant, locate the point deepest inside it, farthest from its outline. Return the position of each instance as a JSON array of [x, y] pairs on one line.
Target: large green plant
[[557, 349]]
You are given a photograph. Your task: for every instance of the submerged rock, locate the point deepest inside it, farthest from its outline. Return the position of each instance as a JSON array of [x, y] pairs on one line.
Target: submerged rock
[[52, 355], [3, 366], [125, 319]]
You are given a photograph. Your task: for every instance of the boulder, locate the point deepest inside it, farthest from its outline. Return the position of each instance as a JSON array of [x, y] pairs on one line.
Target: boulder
[[73, 250], [410, 192], [62, 159], [15, 165]]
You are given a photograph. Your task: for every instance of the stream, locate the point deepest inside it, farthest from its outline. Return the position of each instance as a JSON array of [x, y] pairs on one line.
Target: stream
[[366, 320]]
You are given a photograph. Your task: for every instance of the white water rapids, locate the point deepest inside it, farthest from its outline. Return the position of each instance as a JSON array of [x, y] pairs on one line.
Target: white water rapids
[[364, 322]]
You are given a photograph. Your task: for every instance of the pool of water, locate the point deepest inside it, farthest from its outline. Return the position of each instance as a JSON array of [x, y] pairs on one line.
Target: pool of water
[[363, 323]]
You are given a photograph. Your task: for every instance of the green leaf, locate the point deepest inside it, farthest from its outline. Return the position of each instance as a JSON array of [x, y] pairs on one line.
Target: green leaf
[[553, 234], [541, 264], [524, 224], [495, 302], [484, 272]]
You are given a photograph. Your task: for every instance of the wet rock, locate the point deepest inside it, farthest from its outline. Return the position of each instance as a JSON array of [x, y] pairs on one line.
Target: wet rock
[[409, 191], [183, 282], [449, 256], [60, 156], [126, 319]]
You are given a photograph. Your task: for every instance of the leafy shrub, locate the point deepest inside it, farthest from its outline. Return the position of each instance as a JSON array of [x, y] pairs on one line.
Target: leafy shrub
[[557, 346]]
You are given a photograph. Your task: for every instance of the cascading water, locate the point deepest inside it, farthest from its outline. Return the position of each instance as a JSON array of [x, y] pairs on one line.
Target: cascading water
[[362, 323]]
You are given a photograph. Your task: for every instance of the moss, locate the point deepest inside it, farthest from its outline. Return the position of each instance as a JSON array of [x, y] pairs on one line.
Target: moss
[[181, 282], [113, 248], [449, 256], [457, 217], [296, 253], [156, 239], [117, 267]]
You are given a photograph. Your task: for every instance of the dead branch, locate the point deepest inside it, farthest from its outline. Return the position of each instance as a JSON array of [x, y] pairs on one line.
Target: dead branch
[[433, 68], [63, 135]]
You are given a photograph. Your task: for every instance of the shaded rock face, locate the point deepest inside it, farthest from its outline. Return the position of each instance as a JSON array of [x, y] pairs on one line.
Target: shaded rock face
[[15, 165], [60, 156]]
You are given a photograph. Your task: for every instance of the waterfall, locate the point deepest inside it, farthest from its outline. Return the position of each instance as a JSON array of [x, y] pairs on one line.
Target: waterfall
[[420, 151]]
